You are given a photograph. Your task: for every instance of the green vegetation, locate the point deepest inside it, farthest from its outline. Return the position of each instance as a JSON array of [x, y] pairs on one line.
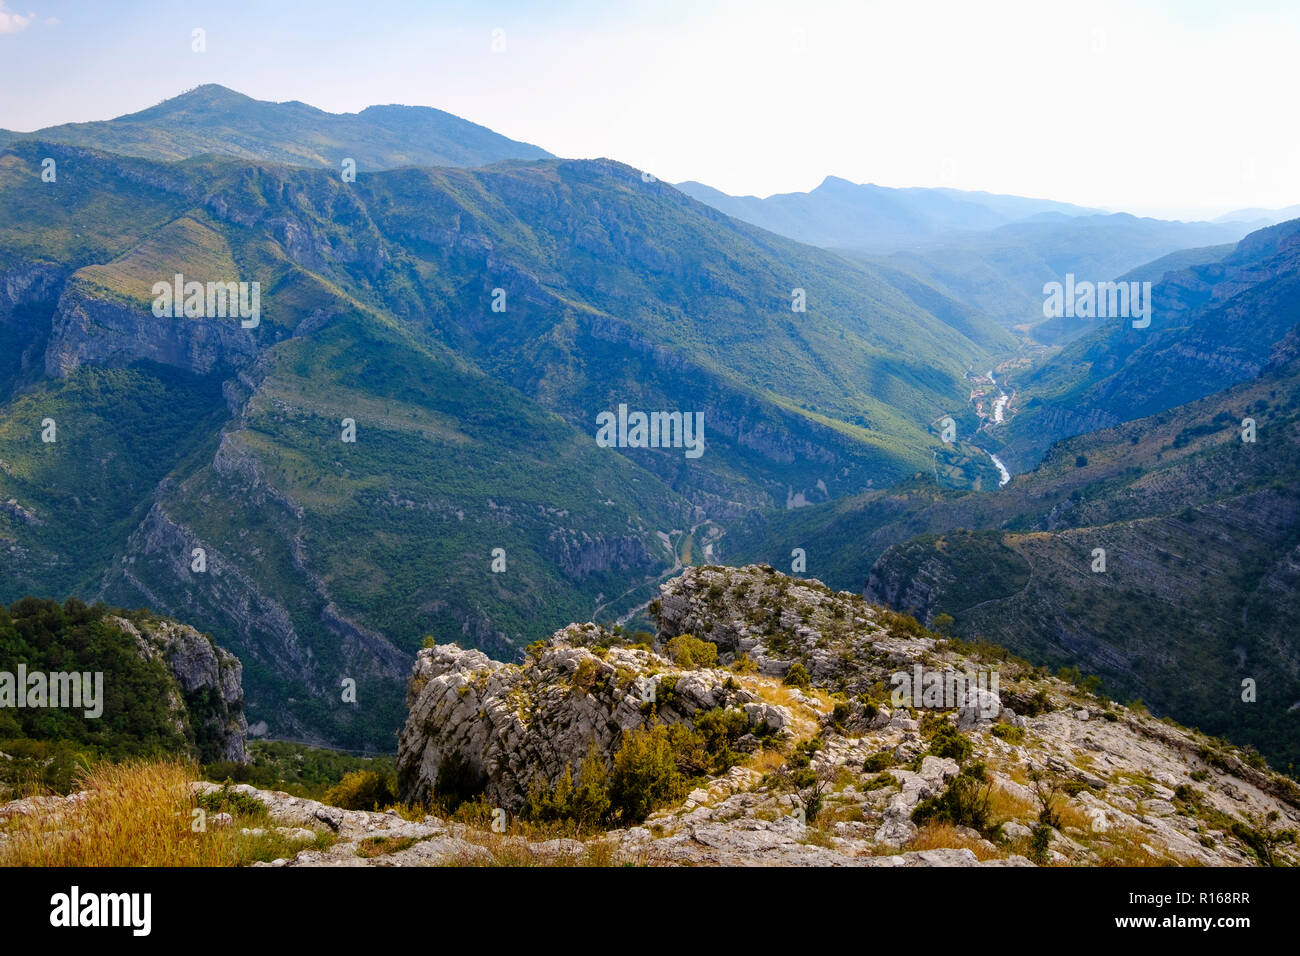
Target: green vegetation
[[950, 742], [363, 790], [49, 744], [797, 676], [963, 803], [690, 652]]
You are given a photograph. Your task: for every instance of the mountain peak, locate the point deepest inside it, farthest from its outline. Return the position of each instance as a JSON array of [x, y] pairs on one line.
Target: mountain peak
[[216, 119]]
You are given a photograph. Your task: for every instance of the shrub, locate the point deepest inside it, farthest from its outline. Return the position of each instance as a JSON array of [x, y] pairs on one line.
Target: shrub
[[743, 665], [585, 802], [719, 729], [362, 790], [1257, 833], [690, 652], [951, 742], [584, 677], [1039, 703], [234, 802], [1009, 732], [645, 775], [797, 676], [965, 803], [1039, 841], [878, 762]]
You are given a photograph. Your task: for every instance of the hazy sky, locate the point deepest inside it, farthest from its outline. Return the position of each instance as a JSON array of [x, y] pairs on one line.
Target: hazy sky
[[1178, 108]]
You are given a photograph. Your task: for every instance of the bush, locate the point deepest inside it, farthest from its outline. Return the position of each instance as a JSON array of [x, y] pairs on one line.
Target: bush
[[720, 728], [645, 775], [234, 802], [797, 676], [1258, 834], [965, 803], [1039, 841], [951, 742], [878, 762], [584, 677], [1009, 732], [362, 790], [690, 652], [585, 802], [743, 665]]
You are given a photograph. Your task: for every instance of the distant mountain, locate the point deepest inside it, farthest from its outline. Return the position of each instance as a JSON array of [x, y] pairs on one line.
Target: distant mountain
[[1002, 272], [841, 214], [1265, 217], [1062, 329], [213, 119], [990, 252], [475, 426], [1212, 325], [1157, 269]]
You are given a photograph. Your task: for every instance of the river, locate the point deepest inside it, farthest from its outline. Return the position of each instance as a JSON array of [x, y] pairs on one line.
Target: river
[[999, 410]]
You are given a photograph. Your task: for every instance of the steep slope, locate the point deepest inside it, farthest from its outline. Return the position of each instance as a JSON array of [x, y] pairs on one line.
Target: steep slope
[[1212, 325], [1199, 590], [151, 687], [213, 119]]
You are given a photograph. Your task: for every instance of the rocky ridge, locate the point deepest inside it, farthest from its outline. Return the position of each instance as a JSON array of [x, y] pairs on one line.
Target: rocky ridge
[[1123, 786]]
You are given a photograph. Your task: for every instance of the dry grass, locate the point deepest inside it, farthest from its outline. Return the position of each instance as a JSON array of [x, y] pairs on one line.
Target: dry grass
[[816, 836], [1073, 815], [805, 719], [1005, 806], [944, 836], [765, 761], [138, 813], [1125, 848], [371, 847]]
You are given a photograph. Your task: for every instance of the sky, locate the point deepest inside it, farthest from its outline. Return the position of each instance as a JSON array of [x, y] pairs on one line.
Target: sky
[[1177, 109]]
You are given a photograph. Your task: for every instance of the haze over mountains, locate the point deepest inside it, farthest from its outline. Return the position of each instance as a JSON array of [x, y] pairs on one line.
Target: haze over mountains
[[989, 251], [471, 304]]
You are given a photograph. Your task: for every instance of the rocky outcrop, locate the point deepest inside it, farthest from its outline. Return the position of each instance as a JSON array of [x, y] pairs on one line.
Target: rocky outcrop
[[847, 778], [92, 330], [210, 691], [507, 724]]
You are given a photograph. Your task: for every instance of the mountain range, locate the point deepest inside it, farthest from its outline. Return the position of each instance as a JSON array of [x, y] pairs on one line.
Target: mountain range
[[403, 443], [474, 425]]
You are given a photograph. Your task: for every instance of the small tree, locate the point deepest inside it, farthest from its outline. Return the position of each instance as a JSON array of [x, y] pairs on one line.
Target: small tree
[[645, 774], [797, 676], [1047, 790]]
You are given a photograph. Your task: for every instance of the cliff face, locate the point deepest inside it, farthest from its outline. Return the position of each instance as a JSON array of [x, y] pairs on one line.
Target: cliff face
[[843, 772], [209, 680], [92, 330]]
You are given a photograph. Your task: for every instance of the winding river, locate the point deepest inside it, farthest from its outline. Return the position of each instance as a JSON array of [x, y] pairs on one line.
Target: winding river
[[999, 410]]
